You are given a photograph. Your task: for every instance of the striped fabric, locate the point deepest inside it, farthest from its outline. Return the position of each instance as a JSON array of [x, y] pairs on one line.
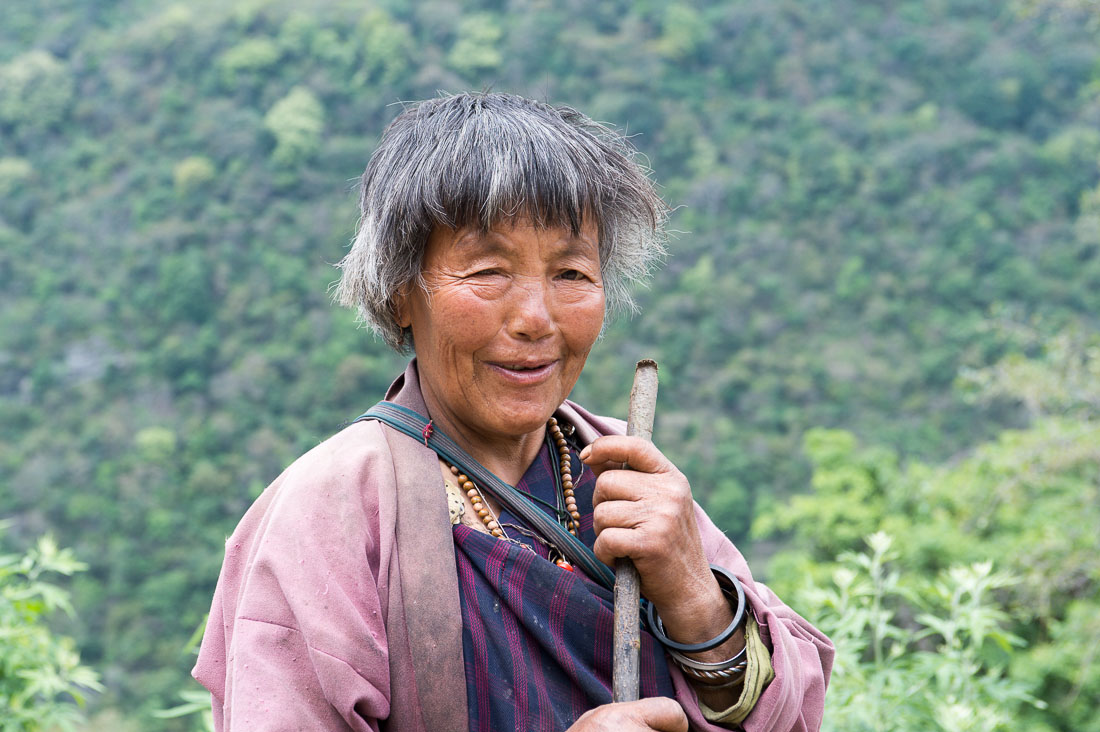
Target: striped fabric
[[537, 638]]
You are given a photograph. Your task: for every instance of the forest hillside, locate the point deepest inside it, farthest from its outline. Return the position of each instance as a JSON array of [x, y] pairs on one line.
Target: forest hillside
[[887, 266]]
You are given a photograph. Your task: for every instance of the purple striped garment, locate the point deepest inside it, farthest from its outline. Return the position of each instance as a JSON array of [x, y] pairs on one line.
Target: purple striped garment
[[537, 638]]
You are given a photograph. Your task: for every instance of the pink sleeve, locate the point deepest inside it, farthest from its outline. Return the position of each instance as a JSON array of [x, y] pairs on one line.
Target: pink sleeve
[[802, 656], [296, 637]]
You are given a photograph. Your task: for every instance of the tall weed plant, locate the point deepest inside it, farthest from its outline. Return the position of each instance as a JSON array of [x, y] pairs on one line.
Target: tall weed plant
[[914, 654], [43, 685]]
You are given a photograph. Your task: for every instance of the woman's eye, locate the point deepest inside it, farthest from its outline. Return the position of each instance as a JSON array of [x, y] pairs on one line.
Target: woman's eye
[[572, 274]]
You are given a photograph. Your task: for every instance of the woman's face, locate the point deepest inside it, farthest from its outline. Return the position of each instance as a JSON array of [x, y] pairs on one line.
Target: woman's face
[[503, 325]]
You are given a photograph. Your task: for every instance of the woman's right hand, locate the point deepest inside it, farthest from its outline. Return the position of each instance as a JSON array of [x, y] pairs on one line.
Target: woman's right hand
[[659, 714]]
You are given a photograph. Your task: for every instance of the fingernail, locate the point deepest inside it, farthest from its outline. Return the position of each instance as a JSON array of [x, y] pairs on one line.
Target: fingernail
[[586, 452]]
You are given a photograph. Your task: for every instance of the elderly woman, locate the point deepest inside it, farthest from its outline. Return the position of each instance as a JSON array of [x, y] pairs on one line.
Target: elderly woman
[[440, 564]]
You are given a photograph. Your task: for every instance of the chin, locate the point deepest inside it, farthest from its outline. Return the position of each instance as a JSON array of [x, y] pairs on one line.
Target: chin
[[524, 424]]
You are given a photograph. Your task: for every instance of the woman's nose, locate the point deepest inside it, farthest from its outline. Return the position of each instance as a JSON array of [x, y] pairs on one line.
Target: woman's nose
[[531, 317]]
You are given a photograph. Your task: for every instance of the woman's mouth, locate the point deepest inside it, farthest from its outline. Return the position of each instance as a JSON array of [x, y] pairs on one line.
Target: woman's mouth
[[524, 372]]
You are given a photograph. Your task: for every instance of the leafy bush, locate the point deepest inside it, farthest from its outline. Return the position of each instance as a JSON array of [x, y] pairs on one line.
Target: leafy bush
[[912, 654], [1028, 499], [194, 701], [40, 672]]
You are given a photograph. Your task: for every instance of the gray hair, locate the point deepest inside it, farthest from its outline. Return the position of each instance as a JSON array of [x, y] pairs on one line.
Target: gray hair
[[478, 159]]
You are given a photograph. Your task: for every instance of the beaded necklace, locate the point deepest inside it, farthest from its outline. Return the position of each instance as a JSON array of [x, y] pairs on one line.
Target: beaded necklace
[[565, 467]]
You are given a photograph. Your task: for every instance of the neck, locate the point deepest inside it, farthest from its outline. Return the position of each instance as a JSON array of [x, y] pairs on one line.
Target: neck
[[506, 456], [509, 464]]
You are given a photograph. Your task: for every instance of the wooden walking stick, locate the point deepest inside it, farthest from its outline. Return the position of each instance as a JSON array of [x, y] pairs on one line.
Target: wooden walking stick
[[627, 639]]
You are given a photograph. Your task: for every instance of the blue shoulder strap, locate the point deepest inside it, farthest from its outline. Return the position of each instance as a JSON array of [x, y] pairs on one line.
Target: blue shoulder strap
[[415, 426]]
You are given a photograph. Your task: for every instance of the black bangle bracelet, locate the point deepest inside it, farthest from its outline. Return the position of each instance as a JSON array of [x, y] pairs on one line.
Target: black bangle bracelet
[[729, 585]]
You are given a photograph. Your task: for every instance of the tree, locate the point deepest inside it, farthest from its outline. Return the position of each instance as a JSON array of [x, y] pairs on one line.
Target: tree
[[296, 121], [36, 90]]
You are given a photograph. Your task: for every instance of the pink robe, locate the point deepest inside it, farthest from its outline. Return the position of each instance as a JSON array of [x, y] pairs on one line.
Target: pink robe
[[318, 624]]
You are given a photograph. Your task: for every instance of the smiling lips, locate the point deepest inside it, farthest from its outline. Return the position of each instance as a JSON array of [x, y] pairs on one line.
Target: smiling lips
[[524, 372]]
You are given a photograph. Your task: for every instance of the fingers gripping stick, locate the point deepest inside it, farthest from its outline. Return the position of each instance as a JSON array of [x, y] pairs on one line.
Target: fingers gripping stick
[[627, 641]]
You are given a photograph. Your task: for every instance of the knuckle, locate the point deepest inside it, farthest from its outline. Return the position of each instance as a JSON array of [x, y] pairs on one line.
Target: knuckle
[[599, 518], [664, 515], [599, 548], [681, 491], [609, 485]]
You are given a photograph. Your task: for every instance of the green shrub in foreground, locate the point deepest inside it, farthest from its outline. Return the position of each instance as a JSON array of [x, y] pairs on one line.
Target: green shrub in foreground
[[42, 683], [913, 654]]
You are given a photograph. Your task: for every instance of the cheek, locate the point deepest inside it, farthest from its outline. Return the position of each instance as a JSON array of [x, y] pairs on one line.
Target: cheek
[[465, 323], [584, 322]]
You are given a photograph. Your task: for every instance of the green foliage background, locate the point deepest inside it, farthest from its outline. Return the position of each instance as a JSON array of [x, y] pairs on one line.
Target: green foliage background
[[872, 196], [1029, 501]]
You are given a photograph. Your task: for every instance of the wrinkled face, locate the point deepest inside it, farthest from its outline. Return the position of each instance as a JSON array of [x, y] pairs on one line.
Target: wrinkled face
[[504, 324]]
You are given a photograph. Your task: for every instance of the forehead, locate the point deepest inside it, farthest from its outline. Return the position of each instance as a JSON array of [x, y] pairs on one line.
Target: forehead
[[514, 237]]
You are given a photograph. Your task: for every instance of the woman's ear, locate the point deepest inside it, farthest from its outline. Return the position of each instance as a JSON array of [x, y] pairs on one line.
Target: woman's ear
[[401, 307]]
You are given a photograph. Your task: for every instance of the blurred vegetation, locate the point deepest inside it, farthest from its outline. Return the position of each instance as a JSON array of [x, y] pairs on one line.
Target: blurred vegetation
[[888, 209]]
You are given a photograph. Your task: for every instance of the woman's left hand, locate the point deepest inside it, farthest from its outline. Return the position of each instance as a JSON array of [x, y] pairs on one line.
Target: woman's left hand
[[647, 513]]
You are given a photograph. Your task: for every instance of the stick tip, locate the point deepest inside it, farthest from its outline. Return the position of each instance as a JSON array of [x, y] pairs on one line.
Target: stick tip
[[645, 363]]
